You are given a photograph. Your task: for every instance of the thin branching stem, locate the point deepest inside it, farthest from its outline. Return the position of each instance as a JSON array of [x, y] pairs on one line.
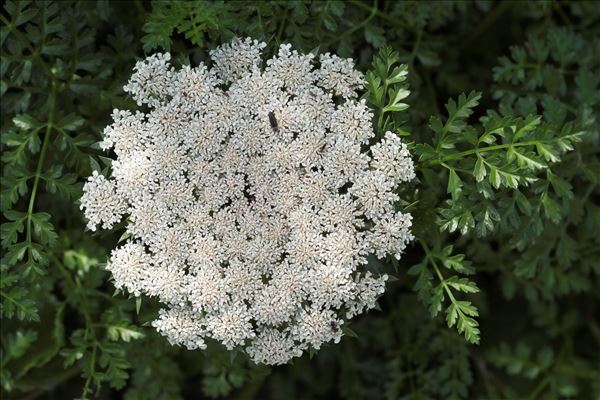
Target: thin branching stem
[[90, 332], [430, 257], [40, 165], [34, 54], [354, 28], [478, 150]]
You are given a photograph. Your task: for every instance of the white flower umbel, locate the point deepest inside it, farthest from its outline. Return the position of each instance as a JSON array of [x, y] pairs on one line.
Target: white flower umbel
[[251, 198]]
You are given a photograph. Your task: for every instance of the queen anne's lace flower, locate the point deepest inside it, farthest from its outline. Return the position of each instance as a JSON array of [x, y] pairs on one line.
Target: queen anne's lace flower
[[102, 204], [251, 199]]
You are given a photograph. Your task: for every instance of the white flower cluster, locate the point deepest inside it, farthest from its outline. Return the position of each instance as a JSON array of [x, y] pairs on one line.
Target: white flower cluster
[[252, 199]]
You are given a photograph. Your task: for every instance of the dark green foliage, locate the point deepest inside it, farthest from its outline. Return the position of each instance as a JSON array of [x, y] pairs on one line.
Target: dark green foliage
[[497, 298], [188, 19]]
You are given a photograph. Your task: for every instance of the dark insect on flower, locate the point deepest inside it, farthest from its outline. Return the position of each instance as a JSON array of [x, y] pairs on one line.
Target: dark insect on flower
[[273, 121], [321, 148], [334, 326]]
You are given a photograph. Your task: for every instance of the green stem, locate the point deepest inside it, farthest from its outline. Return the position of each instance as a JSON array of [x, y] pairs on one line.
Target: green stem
[[74, 287], [562, 14], [88, 381], [539, 67], [382, 109], [25, 41], [252, 388], [487, 149], [431, 258], [500, 9], [379, 14], [40, 165], [415, 49], [354, 28], [281, 27], [36, 386], [542, 385], [260, 23], [489, 381], [584, 373]]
